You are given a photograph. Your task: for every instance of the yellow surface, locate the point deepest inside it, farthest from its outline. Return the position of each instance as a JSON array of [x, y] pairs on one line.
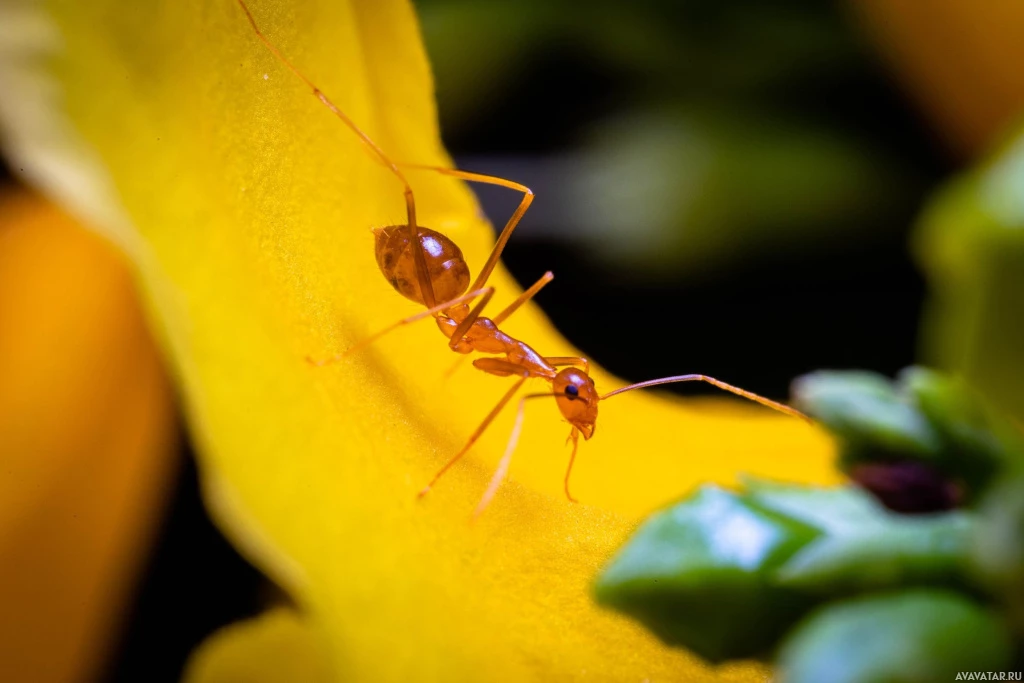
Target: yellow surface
[[287, 650], [248, 208], [86, 438]]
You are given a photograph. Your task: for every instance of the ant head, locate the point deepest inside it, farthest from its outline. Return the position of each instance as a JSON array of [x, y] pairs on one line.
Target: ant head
[[577, 398]]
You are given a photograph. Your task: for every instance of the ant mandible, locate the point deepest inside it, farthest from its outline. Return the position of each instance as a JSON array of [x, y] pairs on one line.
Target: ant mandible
[[425, 266]]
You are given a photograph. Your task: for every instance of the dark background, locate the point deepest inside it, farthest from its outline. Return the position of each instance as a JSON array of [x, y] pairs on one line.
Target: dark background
[[757, 321]]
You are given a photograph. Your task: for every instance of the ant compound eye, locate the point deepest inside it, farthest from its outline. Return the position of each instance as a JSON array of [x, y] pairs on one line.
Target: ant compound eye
[[572, 391]]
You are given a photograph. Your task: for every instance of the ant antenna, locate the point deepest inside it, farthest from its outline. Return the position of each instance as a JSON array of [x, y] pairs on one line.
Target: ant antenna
[[774, 405]]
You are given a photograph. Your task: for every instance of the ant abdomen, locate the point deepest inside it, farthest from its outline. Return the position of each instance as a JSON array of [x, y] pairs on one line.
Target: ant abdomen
[[449, 274]]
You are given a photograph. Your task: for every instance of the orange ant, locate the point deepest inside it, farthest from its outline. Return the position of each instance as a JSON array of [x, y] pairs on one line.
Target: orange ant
[[427, 267]]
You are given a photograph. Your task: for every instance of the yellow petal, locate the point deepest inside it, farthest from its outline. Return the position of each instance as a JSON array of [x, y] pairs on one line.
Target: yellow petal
[[247, 207], [276, 646], [86, 439]]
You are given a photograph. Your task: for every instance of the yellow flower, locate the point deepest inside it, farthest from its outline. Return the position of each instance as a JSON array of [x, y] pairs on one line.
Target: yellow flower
[[247, 208], [86, 435]]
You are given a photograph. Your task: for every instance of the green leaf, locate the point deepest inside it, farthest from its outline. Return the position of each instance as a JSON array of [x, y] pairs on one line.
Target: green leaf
[[863, 546], [978, 442], [872, 419], [918, 636], [696, 575], [832, 511], [925, 416], [998, 549], [904, 551]]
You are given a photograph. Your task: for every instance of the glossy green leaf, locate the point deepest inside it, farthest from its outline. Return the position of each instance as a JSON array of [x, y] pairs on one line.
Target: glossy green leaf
[[919, 636], [978, 441], [832, 511], [696, 574], [863, 546], [904, 551], [873, 420]]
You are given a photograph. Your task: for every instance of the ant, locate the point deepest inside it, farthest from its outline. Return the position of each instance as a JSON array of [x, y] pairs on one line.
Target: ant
[[428, 268]]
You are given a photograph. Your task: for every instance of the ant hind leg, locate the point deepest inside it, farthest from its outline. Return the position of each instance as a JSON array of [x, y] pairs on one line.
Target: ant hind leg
[[510, 225], [487, 292]]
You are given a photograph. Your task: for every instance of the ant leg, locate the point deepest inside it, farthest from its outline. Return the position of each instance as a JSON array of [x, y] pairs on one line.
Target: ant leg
[[513, 221], [453, 368], [500, 367], [577, 360], [422, 274], [523, 298], [368, 143], [574, 436], [506, 459], [487, 292], [475, 435], [467, 322], [464, 326], [509, 310]]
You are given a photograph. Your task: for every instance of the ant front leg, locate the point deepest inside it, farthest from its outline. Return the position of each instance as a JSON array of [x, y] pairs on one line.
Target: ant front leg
[[574, 436], [479, 431], [502, 470], [467, 322]]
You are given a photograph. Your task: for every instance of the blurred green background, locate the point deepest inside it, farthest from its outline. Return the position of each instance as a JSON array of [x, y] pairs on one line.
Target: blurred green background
[[734, 187], [722, 187]]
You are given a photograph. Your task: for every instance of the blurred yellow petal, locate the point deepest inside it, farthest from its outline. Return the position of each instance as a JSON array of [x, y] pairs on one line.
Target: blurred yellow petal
[[961, 59], [86, 438], [276, 646], [249, 207]]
